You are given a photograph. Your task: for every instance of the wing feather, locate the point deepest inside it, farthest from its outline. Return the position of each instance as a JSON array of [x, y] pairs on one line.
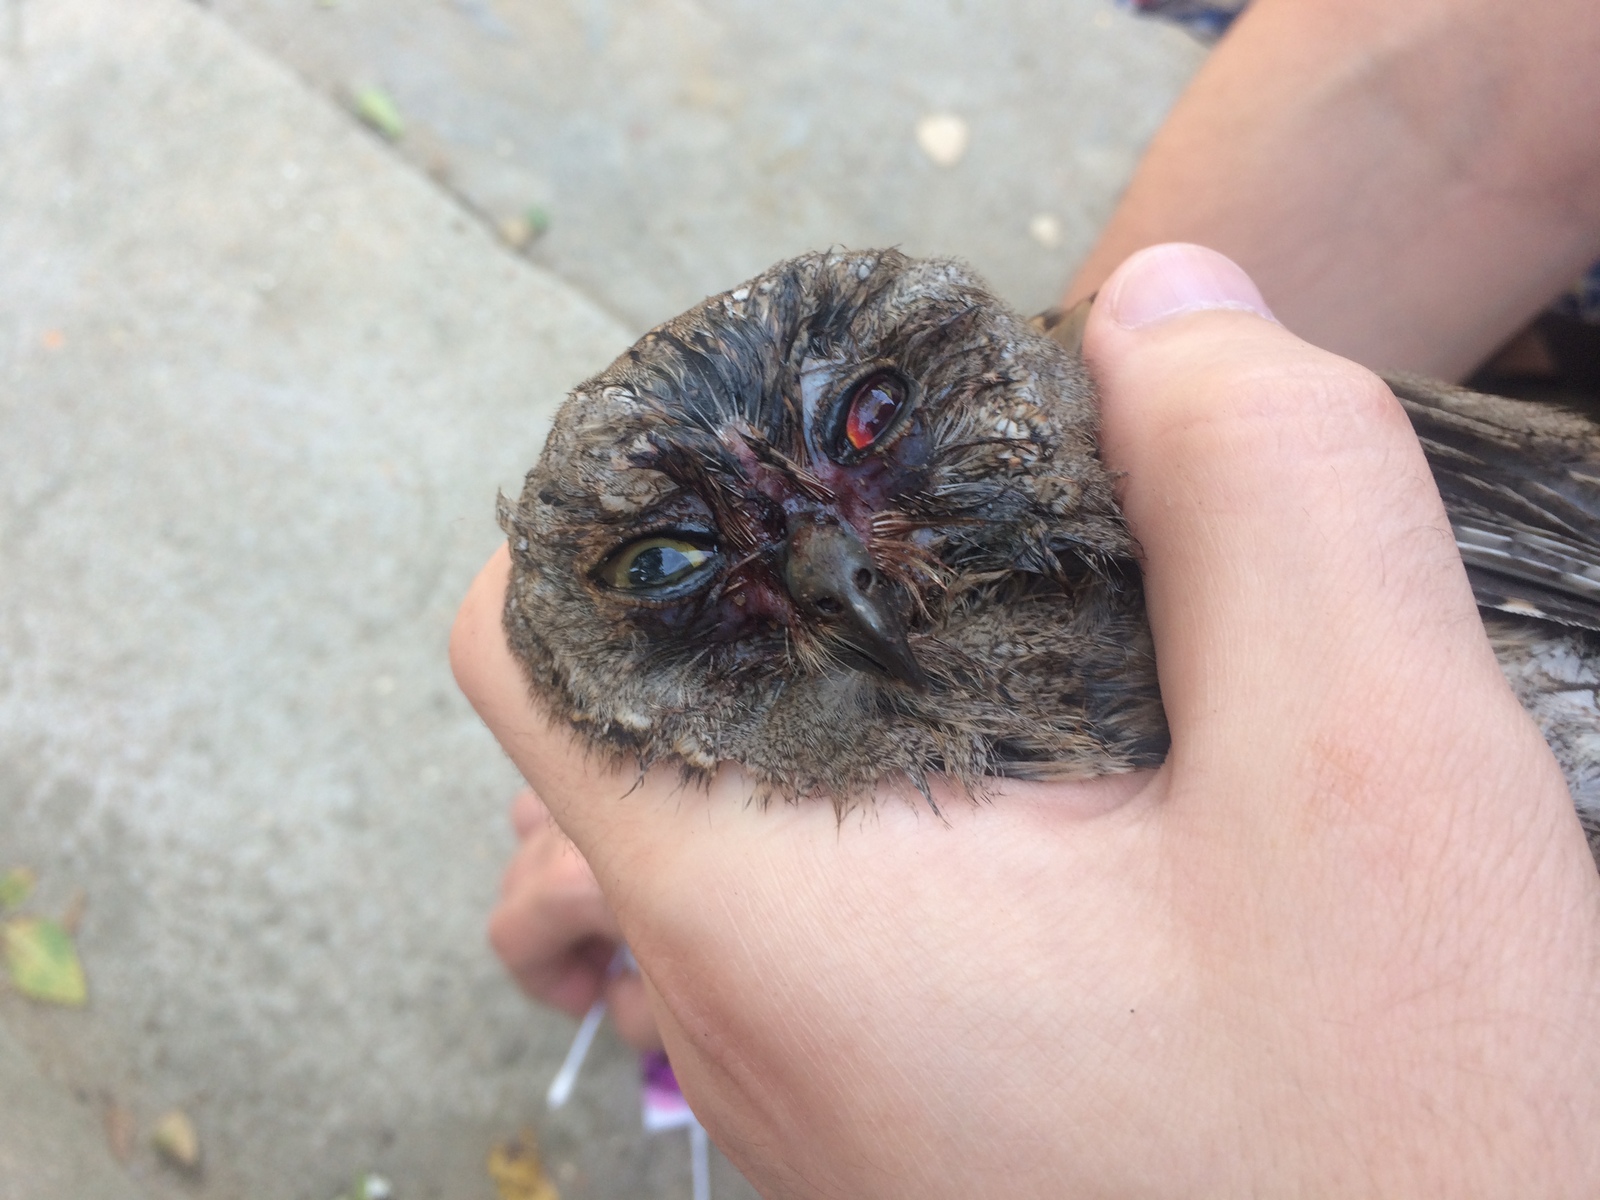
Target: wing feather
[[1521, 484]]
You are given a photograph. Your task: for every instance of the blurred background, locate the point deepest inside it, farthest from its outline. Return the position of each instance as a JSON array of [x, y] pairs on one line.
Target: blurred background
[[288, 289]]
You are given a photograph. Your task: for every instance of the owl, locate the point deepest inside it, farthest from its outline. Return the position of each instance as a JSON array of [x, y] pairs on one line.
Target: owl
[[848, 522]]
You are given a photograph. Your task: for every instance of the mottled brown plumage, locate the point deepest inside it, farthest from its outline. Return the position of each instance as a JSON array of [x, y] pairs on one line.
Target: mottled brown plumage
[[848, 522]]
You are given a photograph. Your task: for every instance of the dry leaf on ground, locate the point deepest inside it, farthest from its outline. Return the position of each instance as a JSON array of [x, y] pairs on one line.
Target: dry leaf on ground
[[16, 885], [72, 915], [121, 1128], [43, 961], [517, 1172], [175, 1139]]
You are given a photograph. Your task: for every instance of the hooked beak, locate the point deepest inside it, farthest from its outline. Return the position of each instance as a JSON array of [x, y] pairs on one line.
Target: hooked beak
[[830, 575]]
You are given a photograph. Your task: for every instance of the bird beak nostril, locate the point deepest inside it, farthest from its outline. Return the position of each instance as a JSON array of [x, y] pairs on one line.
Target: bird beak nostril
[[829, 574]]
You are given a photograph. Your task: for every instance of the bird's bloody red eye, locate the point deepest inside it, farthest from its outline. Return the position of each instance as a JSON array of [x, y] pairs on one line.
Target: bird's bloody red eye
[[876, 403]]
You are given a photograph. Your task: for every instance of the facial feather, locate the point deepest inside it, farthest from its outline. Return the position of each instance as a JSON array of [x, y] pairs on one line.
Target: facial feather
[[987, 542]]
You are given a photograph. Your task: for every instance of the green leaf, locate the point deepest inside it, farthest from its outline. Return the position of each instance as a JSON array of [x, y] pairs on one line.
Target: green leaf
[[44, 962], [16, 885], [370, 1186], [378, 109]]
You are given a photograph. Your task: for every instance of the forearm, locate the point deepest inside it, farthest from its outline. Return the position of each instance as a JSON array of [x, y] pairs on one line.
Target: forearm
[[1409, 181]]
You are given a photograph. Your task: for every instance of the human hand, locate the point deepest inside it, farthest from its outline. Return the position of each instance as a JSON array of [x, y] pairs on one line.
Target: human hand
[[1345, 941], [555, 932]]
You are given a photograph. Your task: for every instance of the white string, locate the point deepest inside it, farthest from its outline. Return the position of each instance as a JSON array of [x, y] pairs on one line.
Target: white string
[[567, 1077], [700, 1161]]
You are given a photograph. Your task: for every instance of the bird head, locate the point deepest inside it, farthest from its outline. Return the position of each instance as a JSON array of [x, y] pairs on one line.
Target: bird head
[[785, 496]]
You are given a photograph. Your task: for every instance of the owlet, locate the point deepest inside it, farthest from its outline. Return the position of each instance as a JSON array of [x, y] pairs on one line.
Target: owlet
[[848, 521]]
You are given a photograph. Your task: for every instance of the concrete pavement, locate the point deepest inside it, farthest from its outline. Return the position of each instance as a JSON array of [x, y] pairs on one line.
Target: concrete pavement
[[679, 146], [260, 376]]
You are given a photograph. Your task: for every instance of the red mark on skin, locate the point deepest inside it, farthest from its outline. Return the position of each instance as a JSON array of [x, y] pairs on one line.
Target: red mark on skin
[[862, 489], [753, 601], [753, 597]]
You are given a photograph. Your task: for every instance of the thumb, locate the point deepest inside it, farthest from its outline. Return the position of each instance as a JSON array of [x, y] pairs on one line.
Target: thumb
[[1303, 582]]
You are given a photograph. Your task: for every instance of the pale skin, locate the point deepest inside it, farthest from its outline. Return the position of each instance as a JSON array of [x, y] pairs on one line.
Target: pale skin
[[1407, 180], [555, 932], [1346, 941]]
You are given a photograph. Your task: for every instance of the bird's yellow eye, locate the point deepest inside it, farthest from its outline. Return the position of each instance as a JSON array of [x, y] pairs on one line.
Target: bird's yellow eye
[[656, 564]]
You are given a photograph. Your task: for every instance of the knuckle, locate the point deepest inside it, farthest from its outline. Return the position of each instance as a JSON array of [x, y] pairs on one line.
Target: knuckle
[[504, 935], [1292, 406]]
